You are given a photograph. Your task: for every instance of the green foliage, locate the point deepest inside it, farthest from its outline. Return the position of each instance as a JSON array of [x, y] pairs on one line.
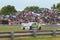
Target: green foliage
[[58, 6], [32, 8], [6, 10]]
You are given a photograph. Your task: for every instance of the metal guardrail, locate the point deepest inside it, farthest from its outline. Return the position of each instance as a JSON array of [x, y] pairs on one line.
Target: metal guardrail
[[33, 33]]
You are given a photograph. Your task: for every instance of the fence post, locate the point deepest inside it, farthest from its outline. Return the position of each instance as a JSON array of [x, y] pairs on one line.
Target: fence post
[[54, 32], [34, 33], [12, 35]]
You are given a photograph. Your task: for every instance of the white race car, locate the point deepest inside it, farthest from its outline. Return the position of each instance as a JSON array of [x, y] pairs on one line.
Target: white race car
[[27, 25]]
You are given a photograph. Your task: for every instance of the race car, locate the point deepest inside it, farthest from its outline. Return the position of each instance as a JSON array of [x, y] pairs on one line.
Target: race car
[[31, 26]]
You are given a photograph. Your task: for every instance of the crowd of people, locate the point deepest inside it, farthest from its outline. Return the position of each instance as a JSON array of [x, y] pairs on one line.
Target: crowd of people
[[44, 17]]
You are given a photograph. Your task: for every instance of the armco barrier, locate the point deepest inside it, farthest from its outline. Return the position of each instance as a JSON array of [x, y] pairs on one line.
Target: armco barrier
[[33, 33]]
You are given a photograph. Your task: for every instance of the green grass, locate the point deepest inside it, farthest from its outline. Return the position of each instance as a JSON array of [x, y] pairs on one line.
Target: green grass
[[17, 28], [9, 28], [50, 28], [37, 38]]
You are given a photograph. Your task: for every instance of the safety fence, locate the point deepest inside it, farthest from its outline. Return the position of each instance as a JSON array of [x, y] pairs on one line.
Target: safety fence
[[33, 33]]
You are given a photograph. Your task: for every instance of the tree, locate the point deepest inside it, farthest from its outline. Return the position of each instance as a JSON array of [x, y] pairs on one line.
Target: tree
[[32, 8], [58, 6], [6, 10]]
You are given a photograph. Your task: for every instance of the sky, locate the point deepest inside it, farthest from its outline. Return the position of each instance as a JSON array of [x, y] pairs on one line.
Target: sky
[[21, 4]]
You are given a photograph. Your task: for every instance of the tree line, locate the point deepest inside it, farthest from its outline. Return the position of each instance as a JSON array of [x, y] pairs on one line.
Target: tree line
[[6, 10]]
